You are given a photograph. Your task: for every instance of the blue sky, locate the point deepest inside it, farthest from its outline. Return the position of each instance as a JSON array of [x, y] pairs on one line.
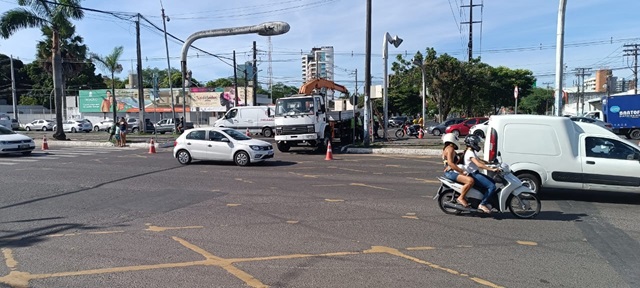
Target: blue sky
[[517, 34]]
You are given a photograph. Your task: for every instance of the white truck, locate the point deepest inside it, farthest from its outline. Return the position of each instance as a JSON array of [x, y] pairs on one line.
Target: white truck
[[304, 120]]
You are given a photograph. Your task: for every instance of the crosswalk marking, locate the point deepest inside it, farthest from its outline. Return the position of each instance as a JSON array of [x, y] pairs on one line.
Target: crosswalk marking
[[54, 154]]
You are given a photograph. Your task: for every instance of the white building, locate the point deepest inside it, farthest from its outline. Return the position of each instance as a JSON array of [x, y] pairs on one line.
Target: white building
[[318, 64]]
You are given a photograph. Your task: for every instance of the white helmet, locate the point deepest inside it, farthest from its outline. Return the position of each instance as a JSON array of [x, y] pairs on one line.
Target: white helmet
[[450, 138]]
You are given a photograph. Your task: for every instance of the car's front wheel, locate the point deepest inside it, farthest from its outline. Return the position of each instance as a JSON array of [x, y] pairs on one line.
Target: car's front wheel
[[241, 158], [28, 128], [184, 157], [436, 132], [96, 128], [134, 130], [44, 128], [73, 130]]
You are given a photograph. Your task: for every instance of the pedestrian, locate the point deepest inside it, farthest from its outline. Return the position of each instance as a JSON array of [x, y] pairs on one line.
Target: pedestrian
[[123, 132], [117, 136], [376, 125], [356, 123], [180, 125]]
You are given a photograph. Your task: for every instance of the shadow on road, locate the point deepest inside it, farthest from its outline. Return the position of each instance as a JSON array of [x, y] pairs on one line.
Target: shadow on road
[[32, 236], [268, 163], [591, 196]]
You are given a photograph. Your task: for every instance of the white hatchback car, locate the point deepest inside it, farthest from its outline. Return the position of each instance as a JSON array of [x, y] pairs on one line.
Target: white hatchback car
[[221, 144], [12, 142], [479, 130]]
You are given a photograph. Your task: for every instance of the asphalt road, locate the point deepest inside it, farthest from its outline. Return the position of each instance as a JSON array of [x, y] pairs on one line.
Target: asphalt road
[[120, 217]]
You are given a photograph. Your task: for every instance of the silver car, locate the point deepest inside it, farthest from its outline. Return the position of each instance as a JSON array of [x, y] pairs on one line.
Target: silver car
[[40, 124], [74, 126]]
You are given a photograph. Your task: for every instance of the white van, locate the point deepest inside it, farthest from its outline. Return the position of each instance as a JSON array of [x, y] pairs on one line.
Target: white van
[[259, 119], [555, 152]]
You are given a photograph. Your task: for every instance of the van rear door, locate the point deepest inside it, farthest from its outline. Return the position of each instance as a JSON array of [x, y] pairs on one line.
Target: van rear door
[[610, 164]]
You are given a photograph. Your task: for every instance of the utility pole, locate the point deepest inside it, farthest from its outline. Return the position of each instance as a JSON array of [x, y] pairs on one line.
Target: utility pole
[[245, 85], [562, 7], [355, 103], [470, 47], [580, 73], [13, 91], [255, 75], [367, 76], [166, 44], [139, 72], [633, 51], [235, 80]]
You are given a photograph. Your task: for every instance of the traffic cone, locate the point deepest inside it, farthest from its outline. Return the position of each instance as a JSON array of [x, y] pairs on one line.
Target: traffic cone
[[329, 152], [420, 134], [248, 132], [152, 147], [45, 145]]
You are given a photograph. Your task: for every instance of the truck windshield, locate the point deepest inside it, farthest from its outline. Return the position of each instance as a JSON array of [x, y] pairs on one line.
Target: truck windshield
[[294, 106]]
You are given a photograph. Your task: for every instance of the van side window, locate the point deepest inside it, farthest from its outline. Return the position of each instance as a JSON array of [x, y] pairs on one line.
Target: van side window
[[232, 113], [608, 148], [197, 135]]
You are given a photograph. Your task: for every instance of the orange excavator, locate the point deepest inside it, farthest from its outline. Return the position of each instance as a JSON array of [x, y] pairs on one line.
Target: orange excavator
[[319, 83]]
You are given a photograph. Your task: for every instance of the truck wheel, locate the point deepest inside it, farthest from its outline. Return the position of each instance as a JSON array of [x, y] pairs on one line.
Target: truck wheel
[[267, 132], [634, 134], [283, 147]]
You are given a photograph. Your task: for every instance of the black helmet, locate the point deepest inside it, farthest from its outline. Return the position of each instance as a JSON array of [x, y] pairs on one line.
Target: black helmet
[[473, 142]]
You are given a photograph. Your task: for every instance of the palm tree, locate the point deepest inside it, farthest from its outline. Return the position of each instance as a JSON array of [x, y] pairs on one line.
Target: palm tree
[[110, 64], [42, 13], [72, 50]]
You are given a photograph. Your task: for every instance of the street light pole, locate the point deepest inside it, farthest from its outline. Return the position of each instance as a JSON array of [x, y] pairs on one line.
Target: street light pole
[[559, 55], [264, 29], [166, 44], [424, 89], [396, 41]]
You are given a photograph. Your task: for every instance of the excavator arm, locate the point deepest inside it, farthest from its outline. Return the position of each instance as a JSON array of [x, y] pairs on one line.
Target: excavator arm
[[316, 84]]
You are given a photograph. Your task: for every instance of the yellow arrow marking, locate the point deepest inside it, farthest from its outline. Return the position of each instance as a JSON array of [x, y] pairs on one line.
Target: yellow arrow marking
[[9, 260]]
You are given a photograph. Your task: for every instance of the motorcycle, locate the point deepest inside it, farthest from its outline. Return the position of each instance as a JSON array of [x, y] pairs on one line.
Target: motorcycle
[[408, 129], [511, 195]]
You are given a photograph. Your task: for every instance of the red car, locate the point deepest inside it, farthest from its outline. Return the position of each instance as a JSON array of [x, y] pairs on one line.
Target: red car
[[462, 129]]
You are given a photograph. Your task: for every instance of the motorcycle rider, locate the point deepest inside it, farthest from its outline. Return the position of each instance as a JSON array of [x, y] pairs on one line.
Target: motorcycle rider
[[472, 164], [451, 169]]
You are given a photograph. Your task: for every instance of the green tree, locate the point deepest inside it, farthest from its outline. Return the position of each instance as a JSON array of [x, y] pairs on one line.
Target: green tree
[[537, 102], [280, 90], [55, 15], [110, 64], [23, 83], [222, 82]]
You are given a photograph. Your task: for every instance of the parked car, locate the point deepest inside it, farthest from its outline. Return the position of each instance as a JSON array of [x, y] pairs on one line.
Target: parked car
[[462, 128], [600, 123], [168, 125], [222, 144], [397, 121], [555, 152], [74, 126], [15, 124], [479, 130], [439, 129], [39, 124], [103, 125], [12, 142]]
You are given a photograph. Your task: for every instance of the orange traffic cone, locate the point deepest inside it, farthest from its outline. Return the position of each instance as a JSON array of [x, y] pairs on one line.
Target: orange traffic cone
[[152, 147], [45, 145], [329, 152], [420, 134], [248, 132]]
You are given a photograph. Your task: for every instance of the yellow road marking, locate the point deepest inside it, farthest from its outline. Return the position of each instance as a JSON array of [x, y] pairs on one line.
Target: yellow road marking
[[292, 222], [369, 186], [425, 180], [352, 170], [391, 165], [396, 252], [464, 246], [92, 233], [328, 185], [215, 190], [527, 243], [377, 173], [9, 260], [233, 205], [106, 232], [410, 217], [420, 248], [411, 213], [303, 175], [162, 229], [334, 200]]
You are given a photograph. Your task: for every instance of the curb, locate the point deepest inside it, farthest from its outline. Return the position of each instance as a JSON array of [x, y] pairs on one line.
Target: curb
[[71, 143], [392, 151]]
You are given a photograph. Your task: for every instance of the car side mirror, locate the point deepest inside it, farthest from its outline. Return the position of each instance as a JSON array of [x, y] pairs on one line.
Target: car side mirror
[[269, 112], [225, 140], [322, 108]]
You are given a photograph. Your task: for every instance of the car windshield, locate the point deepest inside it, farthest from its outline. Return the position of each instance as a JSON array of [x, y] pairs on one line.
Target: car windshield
[[5, 131], [235, 134]]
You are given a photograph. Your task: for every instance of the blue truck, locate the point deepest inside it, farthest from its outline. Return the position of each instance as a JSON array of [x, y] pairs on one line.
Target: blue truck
[[622, 112]]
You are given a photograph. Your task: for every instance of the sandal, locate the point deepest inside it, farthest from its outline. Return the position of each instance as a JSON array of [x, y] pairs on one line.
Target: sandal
[[484, 209], [462, 202]]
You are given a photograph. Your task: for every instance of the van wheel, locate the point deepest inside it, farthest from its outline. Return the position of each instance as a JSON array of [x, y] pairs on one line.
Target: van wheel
[[267, 132], [283, 147], [634, 134], [531, 181]]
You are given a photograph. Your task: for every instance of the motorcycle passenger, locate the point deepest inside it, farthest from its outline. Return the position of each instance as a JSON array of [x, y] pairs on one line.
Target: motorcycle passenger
[[451, 169], [473, 164]]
